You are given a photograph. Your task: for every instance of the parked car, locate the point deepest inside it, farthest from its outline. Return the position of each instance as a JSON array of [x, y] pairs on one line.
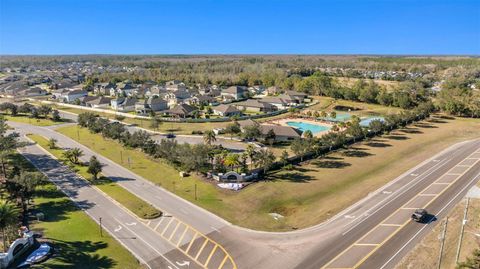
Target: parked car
[[170, 135], [420, 215]]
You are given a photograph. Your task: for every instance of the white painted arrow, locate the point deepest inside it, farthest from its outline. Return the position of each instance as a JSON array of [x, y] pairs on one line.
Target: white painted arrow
[[118, 229], [349, 217], [414, 175], [131, 224], [184, 263], [386, 192]]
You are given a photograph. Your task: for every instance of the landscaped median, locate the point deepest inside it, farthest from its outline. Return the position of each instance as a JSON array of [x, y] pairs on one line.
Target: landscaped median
[[136, 205], [32, 121]]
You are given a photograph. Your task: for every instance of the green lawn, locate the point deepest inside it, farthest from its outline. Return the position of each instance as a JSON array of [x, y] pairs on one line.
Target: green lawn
[[208, 195], [74, 235], [365, 109], [312, 192], [139, 207], [37, 122]]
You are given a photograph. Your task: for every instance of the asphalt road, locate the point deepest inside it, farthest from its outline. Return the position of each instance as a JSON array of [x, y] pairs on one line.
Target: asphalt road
[[325, 244]]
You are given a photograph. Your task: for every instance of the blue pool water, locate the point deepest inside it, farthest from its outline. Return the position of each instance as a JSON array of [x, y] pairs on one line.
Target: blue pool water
[[339, 117], [366, 122], [302, 126]]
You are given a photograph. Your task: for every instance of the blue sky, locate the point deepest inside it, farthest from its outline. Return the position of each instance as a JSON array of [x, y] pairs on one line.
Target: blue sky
[[239, 27]]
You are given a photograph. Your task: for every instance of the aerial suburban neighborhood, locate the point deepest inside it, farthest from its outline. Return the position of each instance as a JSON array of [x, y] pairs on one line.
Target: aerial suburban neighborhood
[[175, 135]]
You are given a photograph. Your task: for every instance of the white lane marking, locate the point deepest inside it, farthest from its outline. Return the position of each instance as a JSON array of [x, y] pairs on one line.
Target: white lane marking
[[118, 229], [424, 227], [184, 263], [349, 217], [154, 249], [415, 175], [428, 172], [386, 192], [131, 224], [215, 229], [436, 161]]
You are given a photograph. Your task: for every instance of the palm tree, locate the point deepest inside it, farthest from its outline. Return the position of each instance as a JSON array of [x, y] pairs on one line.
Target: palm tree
[[323, 114], [265, 159], [333, 114], [8, 216], [209, 137], [76, 153], [250, 150], [316, 114], [232, 160]]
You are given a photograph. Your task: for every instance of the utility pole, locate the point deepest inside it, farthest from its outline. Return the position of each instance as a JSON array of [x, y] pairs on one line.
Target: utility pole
[[462, 229], [121, 157], [101, 229], [443, 243], [129, 162]]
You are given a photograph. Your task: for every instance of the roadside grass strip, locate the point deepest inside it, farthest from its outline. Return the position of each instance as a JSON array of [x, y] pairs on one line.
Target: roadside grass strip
[[358, 252], [33, 121], [127, 199], [74, 235]]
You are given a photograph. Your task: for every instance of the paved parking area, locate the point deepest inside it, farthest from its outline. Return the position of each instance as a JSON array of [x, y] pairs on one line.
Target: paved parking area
[[357, 253]]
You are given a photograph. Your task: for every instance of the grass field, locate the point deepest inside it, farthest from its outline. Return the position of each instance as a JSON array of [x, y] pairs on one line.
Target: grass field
[[364, 109], [74, 235], [426, 253], [37, 122], [139, 207], [349, 82], [314, 191]]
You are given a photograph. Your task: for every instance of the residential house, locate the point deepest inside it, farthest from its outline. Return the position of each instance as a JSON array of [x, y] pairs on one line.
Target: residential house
[[103, 88], [226, 111], [299, 96], [200, 100], [153, 103], [182, 111], [247, 123], [256, 90], [235, 93], [35, 91], [124, 89], [99, 102], [175, 85], [255, 105], [155, 90], [123, 104], [69, 96], [282, 133], [274, 90]]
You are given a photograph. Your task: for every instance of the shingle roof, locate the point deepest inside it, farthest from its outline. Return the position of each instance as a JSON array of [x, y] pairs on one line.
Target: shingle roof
[[279, 130], [226, 109]]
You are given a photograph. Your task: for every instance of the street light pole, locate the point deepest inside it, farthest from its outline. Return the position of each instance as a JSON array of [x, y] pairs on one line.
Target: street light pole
[[101, 229]]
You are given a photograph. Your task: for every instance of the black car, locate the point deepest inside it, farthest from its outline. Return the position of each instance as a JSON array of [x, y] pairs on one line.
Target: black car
[[170, 135], [419, 215]]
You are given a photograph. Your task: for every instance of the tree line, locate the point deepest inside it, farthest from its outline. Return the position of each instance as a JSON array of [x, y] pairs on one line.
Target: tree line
[[17, 185], [31, 110]]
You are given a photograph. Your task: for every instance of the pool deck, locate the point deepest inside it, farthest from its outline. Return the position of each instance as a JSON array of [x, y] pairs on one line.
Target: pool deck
[[283, 122]]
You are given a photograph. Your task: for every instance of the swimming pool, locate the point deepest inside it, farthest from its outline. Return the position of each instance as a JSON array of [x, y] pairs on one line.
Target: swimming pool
[[366, 122], [303, 126], [339, 117]]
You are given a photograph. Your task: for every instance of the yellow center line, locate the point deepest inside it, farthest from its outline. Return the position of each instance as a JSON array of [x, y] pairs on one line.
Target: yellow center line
[[391, 224], [441, 183], [399, 227], [366, 244]]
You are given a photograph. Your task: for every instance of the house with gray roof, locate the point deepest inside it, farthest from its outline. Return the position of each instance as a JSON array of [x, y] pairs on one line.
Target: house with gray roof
[[123, 104], [255, 105], [235, 93], [226, 111], [182, 111], [282, 133], [153, 103]]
